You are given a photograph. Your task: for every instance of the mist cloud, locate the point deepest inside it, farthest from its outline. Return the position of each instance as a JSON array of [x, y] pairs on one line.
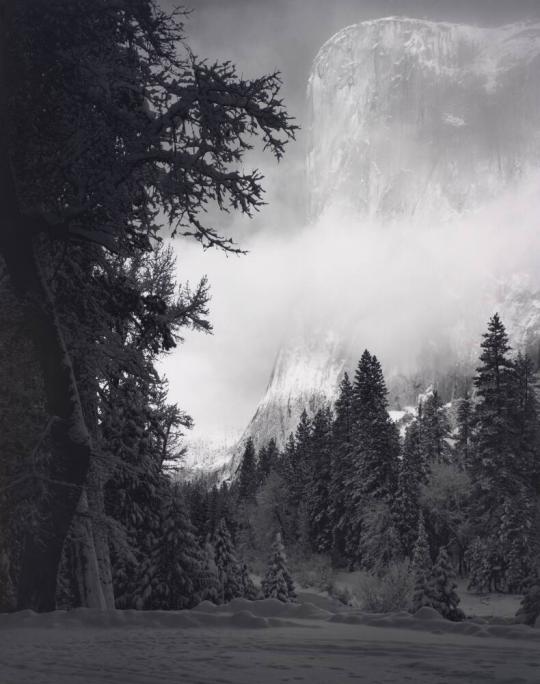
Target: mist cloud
[[397, 288]]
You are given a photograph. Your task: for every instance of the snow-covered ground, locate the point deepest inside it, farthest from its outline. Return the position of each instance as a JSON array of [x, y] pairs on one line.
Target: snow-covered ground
[[262, 642]]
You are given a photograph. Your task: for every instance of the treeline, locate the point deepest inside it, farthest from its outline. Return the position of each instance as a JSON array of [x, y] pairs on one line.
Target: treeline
[[348, 485]]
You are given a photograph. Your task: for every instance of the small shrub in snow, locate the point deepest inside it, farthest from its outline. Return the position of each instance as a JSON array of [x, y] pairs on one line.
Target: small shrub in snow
[[530, 604], [250, 590], [315, 571], [343, 594], [389, 592]]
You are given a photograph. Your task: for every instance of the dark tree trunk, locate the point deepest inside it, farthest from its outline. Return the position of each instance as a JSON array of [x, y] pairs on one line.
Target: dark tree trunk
[[66, 470], [70, 443]]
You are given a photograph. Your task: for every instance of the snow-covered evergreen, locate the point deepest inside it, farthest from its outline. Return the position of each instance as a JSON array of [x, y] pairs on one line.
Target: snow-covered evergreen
[[277, 582], [479, 561], [247, 477], [412, 474], [443, 596], [318, 486], [421, 568], [529, 611], [174, 574], [228, 566]]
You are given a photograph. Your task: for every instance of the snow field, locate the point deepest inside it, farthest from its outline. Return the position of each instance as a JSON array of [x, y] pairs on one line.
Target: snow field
[[261, 642]]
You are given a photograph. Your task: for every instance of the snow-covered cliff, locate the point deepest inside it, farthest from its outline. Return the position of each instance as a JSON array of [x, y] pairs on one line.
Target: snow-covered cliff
[[422, 119], [305, 375]]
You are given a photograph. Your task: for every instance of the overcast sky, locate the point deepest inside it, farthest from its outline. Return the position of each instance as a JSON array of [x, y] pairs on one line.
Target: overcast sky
[[219, 379]]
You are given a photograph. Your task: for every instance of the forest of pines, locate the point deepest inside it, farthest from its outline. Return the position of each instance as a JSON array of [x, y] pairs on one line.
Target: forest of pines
[[455, 492]]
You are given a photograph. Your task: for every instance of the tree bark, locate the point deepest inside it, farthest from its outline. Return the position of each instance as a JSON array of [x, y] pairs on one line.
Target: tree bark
[[70, 442], [86, 560], [96, 529], [68, 465]]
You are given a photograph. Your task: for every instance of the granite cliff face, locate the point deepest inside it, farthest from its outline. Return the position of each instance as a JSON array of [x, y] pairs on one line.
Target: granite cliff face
[[422, 119], [306, 375]]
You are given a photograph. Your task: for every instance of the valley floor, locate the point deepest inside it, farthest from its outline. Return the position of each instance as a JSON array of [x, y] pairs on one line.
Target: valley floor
[[261, 643]]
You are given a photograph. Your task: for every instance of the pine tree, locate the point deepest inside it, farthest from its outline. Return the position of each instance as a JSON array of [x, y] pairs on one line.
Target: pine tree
[[379, 543], [465, 425], [495, 433], [479, 560], [247, 478], [296, 471], [277, 582], [514, 539], [443, 588], [227, 505], [373, 455], [343, 410], [434, 429], [318, 486], [303, 465], [173, 574], [341, 467], [197, 498], [292, 491], [405, 505], [503, 458], [527, 466], [421, 568], [268, 459], [213, 507], [228, 566], [376, 438], [212, 591]]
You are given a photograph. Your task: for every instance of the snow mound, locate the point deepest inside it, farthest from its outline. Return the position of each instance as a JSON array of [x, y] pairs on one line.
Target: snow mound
[[261, 614], [238, 604], [429, 620], [427, 613], [206, 607]]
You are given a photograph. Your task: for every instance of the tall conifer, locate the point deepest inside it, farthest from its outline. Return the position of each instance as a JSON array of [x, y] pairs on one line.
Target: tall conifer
[[247, 478], [443, 588], [495, 433], [318, 491], [341, 466], [228, 567], [421, 568], [412, 473]]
